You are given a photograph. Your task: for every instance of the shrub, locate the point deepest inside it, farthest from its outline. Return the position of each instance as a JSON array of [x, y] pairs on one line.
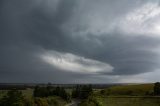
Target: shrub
[[13, 98], [41, 102]]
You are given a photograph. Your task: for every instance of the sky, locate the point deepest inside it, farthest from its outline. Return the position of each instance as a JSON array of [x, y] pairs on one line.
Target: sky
[[79, 41]]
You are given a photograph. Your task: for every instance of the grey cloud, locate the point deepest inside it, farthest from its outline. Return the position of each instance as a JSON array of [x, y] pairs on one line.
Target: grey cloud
[[27, 30]]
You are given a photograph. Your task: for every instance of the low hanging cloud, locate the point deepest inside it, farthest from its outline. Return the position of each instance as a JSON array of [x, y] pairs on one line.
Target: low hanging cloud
[[74, 63]]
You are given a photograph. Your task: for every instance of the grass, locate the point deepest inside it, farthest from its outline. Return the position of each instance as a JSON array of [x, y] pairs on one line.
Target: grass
[[140, 89], [57, 101], [3, 93], [28, 93], [50, 101], [124, 95], [131, 101], [122, 101]]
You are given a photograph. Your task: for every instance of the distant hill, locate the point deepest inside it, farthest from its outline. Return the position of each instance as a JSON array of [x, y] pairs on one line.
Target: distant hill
[[130, 89]]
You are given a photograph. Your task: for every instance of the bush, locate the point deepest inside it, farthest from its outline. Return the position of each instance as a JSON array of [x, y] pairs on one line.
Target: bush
[[41, 102], [157, 88], [103, 92], [91, 101], [13, 98], [29, 102], [82, 92], [49, 91]]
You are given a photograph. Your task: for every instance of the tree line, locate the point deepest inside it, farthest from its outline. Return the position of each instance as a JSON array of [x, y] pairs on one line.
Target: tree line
[[157, 88], [51, 91], [82, 91]]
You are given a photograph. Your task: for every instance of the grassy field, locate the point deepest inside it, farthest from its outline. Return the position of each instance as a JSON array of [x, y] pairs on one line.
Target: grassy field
[[122, 101], [129, 101], [124, 95], [141, 89], [130, 95]]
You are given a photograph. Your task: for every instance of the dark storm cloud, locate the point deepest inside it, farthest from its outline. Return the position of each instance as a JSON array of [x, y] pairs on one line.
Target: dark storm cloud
[[29, 28]]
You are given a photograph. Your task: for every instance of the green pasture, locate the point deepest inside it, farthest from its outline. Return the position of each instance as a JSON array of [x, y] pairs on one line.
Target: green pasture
[[139, 89]]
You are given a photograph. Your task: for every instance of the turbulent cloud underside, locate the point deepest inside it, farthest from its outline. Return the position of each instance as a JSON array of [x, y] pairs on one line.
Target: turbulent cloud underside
[[78, 41]]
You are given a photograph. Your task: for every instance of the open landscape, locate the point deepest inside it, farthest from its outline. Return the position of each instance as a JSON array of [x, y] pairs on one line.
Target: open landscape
[[79, 52], [82, 95]]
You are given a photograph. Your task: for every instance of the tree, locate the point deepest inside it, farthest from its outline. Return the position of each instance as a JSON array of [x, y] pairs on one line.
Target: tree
[[157, 88], [82, 91], [49, 91], [76, 91], [41, 92], [13, 98]]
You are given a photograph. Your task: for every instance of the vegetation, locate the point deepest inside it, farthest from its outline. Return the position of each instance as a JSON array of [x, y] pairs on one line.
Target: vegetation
[[125, 95], [157, 88], [128, 101], [91, 101], [40, 96], [122, 95], [13, 98], [50, 101], [50, 91], [82, 92], [131, 90]]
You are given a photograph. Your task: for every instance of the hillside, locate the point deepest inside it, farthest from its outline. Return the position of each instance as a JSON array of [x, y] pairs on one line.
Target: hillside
[[136, 89]]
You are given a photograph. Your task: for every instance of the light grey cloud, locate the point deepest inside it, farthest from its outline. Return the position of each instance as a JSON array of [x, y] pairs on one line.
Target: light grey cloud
[[74, 63]]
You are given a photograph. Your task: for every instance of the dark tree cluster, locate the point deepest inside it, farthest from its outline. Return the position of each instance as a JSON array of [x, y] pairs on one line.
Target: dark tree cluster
[[82, 91], [157, 88], [13, 98], [51, 91]]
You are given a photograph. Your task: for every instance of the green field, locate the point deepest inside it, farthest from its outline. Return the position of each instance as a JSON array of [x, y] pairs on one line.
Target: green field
[[140, 89], [130, 95], [129, 101], [124, 95]]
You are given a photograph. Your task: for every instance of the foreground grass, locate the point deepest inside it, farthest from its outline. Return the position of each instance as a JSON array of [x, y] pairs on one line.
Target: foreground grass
[[50, 101], [124, 95], [121, 101], [129, 101]]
